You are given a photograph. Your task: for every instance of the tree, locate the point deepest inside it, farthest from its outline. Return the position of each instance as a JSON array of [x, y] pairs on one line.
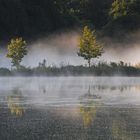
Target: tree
[[119, 8], [88, 46], [16, 51], [124, 18]]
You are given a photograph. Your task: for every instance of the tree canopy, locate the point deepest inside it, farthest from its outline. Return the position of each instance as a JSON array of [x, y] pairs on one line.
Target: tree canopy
[[88, 46], [16, 51], [32, 18], [119, 8]]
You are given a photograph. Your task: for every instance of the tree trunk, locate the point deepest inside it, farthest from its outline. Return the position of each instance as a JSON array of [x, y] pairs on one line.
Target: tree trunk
[[18, 66], [89, 63]]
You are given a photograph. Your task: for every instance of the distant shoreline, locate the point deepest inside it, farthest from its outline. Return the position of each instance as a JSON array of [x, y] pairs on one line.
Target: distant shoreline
[[101, 69]]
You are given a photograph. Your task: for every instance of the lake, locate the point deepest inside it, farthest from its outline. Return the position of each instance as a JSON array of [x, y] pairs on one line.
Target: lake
[[70, 108]]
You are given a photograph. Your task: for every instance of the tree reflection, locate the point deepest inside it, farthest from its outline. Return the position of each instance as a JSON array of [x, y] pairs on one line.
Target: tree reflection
[[15, 103], [88, 107]]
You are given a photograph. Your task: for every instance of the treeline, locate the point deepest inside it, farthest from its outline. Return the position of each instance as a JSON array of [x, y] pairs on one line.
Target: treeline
[[100, 69], [32, 18]]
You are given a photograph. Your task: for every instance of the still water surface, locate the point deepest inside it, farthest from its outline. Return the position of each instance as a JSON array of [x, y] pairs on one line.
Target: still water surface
[[70, 108]]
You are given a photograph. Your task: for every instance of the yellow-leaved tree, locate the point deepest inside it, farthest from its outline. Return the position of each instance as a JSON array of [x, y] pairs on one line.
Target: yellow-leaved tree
[[88, 46], [16, 51]]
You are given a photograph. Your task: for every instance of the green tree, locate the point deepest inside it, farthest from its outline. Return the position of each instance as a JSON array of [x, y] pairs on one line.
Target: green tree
[[119, 8], [16, 51], [88, 46]]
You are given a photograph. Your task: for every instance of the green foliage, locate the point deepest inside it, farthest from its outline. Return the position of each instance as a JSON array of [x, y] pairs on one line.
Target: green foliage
[[16, 51], [100, 69], [124, 18], [5, 72], [135, 6], [119, 8], [32, 18], [88, 46]]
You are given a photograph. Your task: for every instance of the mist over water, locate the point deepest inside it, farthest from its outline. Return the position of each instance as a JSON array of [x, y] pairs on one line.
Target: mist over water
[[61, 49], [70, 108], [68, 90], [38, 103]]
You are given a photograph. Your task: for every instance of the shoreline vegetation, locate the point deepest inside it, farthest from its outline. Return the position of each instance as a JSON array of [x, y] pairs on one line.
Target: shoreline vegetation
[[100, 69], [88, 48]]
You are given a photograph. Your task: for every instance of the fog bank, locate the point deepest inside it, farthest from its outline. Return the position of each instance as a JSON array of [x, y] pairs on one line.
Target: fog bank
[[61, 49]]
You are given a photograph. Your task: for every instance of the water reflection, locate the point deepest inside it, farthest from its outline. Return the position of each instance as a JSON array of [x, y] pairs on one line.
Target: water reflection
[[121, 88], [15, 103], [89, 104], [55, 109]]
